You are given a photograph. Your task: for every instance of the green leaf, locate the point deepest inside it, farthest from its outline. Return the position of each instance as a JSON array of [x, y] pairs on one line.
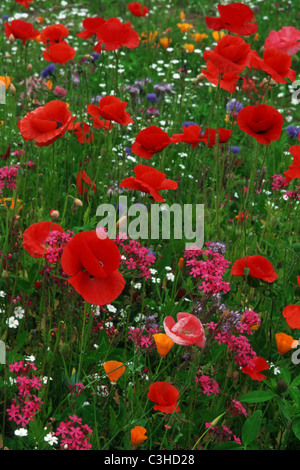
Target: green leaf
[[257, 396], [251, 428], [296, 427]]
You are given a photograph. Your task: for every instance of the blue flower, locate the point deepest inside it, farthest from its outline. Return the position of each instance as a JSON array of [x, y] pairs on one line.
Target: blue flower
[[293, 131], [152, 97], [48, 70], [189, 123], [234, 149], [234, 105]]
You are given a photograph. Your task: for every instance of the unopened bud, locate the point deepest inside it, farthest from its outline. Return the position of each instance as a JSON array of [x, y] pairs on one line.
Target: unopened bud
[[199, 78], [54, 215], [29, 67], [12, 89], [5, 274], [121, 222], [76, 203], [11, 38]]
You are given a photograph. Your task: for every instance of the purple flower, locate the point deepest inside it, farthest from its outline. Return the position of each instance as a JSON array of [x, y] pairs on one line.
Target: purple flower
[[189, 123], [234, 149], [152, 97], [293, 131], [48, 70], [234, 105]]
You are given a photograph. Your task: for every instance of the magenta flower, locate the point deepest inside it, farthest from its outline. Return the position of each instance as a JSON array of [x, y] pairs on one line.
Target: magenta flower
[[187, 331]]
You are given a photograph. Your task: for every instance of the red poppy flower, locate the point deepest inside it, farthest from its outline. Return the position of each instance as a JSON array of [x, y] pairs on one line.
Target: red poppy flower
[[148, 180], [254, 370], [235, 17], [34, 237], [292, 315], [230, 55], [285, 342], [82, 131], [84, 183], [46, 124], [165, 395], [91, 26], [59, 53], [275, 63], [286, 40], [25, 3], [149, 141], [111, 108], [262, 122], [226, 81], [191, 135], [114, 34], [137, 9], [92, 263], [294, 169], [211, 136], [259, 268], [20, 30], [54, 34]]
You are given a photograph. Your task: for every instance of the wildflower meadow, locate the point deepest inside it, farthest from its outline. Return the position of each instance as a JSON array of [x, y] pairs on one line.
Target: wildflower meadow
[[149, 217]]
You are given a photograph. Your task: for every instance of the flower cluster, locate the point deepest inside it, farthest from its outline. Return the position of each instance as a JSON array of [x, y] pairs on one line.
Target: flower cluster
[[8, 177], [208, 270], [208, 385], [74, 434], [136, 258], [27, 404]]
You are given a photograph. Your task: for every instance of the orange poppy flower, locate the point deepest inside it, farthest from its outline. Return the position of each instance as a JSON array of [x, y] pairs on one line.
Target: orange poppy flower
[[114, 370], [9, 203], [165, 42], [163, 343], [138, 435], [6, 80], [189, 47], [185, 27], [180, 263], [285, 342], [199, 37]]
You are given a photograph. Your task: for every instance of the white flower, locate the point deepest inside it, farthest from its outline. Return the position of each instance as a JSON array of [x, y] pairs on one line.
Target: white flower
[[2, 293], [138, 285], [19, 312], [111, 308], [12, 322], [51, 439], [153, 271], [21, 432], [30, 358], [170, 277], [168, 268]]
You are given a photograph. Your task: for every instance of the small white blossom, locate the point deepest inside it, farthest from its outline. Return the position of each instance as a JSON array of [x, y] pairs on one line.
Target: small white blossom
[[21, 432], [12, 322], [51, 439]]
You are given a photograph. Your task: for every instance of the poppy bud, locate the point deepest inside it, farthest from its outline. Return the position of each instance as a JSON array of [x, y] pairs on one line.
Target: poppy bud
[[54, 215], [12, 89], [11, 38], [65, 350], [282, 386], [121, 222], [29, 67], [5, 274], [180, 263]]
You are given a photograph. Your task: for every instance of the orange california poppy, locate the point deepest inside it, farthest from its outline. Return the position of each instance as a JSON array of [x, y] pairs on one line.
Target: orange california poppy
[[163, 343], [138, 435], [285, 342], [165, 42], [114, 370], [6, 80]]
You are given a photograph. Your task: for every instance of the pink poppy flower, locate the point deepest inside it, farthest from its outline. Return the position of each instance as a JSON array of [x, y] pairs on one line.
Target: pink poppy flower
[[287, 40], [187, 331]]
